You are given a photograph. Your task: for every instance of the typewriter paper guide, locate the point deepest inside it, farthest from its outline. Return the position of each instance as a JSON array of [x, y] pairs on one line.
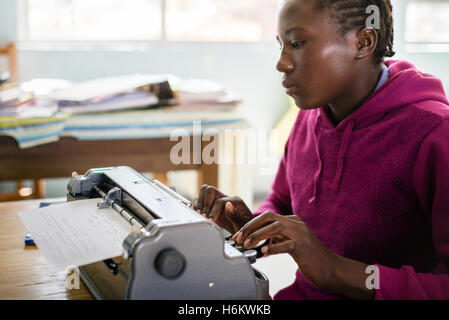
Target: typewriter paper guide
[[76, 233]]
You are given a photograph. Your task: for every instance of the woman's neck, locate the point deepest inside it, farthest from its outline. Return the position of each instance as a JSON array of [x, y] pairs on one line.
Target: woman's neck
[[358, 93]]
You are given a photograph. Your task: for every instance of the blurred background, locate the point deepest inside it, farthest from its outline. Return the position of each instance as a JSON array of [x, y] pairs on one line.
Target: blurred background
[[231, 42]]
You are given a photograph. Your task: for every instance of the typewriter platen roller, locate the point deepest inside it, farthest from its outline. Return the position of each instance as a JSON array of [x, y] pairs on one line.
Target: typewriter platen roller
[[175, 252]]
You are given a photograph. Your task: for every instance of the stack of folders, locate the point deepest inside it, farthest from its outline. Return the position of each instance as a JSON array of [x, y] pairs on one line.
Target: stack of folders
[[115, 93], [203, 94], [13, 99], [16, 101]]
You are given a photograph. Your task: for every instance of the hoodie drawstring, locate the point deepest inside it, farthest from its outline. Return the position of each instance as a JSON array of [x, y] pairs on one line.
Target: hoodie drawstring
[[341, 156], [317, 153]]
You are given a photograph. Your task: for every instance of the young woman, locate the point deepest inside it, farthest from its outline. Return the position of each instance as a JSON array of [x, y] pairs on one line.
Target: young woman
[[364, 180]]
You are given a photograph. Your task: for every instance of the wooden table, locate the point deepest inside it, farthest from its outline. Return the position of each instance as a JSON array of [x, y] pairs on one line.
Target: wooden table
[[61, 158], [24, 274]]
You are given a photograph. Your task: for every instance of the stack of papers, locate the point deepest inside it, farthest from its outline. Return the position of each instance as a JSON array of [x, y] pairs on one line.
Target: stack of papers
[[83, 110], [29, 99], [130, 100], [113, 93], [202, 94], [13, 99]]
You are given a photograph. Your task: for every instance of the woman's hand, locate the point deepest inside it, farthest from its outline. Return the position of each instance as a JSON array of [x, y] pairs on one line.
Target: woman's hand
[[321, 266], [230, 213], [291, 235]]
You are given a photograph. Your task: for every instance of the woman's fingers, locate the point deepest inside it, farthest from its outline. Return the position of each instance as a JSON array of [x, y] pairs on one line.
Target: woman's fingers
[[254, 224], [208, 195], [295, 218], [211, 203], [229, 209], [217, 208], [231, 215], [267, 226], [225, 215], [288, 246], [269, 231]]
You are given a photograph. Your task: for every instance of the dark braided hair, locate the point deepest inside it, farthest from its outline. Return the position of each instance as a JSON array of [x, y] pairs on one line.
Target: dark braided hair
[[351, 14]]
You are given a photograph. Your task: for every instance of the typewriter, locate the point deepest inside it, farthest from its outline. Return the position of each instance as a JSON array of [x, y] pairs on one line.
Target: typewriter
[[173, 252]]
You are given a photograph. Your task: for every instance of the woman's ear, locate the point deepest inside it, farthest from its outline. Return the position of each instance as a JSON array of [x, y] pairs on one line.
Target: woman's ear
[[366, 42]]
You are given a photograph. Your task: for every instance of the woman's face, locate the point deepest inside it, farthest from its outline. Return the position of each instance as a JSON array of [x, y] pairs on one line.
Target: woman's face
[[318, 62]]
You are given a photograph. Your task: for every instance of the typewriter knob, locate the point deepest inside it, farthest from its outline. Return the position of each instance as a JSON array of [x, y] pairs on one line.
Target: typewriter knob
[[170, 263], [251, 255]]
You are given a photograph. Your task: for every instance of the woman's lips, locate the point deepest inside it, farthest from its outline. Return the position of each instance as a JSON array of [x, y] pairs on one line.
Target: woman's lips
[[292, 90], [291, 87]]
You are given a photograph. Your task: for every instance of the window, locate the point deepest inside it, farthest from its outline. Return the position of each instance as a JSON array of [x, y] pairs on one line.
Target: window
[[93, 19], [427, 21], [144, 20], [221, 20]]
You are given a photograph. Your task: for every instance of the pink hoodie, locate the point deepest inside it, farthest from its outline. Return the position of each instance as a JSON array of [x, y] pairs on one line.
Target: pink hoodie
[[376, 187]]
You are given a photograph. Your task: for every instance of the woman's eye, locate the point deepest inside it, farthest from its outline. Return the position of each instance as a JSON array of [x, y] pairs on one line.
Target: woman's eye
[[296, 44]]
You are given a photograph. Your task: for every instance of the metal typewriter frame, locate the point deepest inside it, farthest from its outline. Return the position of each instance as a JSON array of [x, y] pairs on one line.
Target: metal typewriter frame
[[200, 264]]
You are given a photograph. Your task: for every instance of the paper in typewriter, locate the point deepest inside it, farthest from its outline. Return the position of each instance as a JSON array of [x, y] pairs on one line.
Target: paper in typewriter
[[76, 233]]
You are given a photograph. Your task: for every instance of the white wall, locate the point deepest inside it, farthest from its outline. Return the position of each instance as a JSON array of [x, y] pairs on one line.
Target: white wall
[[247, 69], [429, 62]]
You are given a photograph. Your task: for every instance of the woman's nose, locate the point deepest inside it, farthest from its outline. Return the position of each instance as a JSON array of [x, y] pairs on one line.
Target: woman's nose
[[284, 64]]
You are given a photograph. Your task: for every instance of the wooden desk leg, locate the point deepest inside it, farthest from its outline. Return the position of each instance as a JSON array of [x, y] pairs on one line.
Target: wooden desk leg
[[39, 189], [19, 185], [161, 177]]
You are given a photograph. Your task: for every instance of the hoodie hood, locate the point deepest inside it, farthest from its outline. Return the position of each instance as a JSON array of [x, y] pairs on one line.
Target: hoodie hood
[[405, 86]]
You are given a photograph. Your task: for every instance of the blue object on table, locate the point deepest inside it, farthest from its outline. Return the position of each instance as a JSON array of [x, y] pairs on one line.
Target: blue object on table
[[29, 240], [46, 204]]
